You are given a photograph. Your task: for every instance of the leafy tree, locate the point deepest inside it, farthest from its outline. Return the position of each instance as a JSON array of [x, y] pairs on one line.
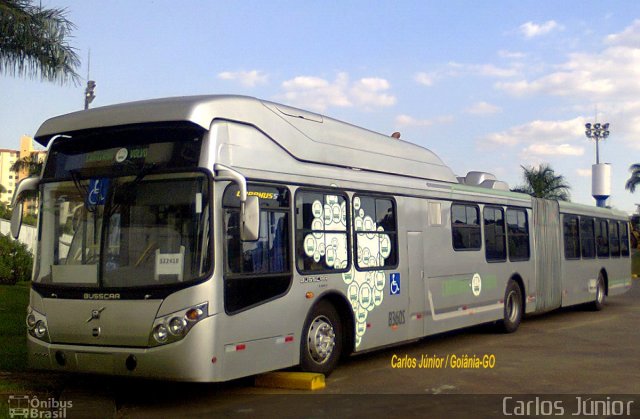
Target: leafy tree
[[15, 261], [5, 212], [30, 163], [634, 179], [34, 41], [542, 182]]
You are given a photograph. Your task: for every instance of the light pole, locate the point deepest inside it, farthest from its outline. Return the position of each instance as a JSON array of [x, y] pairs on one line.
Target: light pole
[[597, 133], [89, 93], [600, 173]]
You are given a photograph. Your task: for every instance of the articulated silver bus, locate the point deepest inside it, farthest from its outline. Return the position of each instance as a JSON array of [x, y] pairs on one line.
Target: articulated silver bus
[[214, 237]]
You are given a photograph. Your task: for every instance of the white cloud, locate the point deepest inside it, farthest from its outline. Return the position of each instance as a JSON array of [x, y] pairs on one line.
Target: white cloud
[[371, 91], [613, 73], [491, 70], [583, 172], [532, 30], [536, 132], [246, 78], [424, 79], [409, 121], [483, 108], [629, 37], [511, 54], [485, 70], [545, 149], [319, 94]]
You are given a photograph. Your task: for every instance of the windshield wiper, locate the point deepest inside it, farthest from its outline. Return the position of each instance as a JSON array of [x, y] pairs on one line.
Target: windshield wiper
[[82, 190], [125, 193]]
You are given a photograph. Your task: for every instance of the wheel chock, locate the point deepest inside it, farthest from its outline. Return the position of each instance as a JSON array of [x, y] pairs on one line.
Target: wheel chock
[[291, 380]]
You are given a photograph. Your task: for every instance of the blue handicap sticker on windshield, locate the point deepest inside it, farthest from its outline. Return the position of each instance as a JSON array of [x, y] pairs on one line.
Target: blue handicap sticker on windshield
[[98, 189]]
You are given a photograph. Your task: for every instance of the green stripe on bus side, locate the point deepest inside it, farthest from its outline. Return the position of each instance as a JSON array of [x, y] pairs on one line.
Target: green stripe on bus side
[[457, 285], [618, 281]]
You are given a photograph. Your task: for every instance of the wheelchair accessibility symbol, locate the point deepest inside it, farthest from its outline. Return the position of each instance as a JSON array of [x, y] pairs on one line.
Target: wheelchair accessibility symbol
[[97, 191], [394, 283]]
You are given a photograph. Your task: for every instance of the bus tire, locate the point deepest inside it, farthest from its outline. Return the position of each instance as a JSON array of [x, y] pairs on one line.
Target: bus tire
[[601, 292], [513, 308], [321, 342]]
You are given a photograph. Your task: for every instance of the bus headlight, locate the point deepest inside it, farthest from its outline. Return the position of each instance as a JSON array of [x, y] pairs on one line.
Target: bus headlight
[[37, 325], [175, 326], [40, 330], [31, 321], [160, 333]]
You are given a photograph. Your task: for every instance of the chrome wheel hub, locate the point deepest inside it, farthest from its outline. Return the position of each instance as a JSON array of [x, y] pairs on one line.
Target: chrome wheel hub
[[513, 308], [599, 292], [321, 339]]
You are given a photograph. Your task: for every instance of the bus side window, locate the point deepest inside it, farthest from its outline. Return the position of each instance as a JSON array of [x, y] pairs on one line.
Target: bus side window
[[465, 227], [602, 239], [322, 234], [375, 232], [518, 234], [624, 239], [571, 231], [494, 234], [587, 237], [614, 238]]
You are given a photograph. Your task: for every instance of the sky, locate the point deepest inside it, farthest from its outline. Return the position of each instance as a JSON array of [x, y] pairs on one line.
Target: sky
[[486, 85]]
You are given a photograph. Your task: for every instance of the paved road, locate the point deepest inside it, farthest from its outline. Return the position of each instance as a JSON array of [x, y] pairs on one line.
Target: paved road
[[571, 351]]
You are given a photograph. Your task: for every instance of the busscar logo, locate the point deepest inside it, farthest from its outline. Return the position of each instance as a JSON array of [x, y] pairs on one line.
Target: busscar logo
[[101, 296]]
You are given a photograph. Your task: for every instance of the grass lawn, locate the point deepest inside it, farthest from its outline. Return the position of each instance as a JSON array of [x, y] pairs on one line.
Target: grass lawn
[[14, 379], [13, 340]]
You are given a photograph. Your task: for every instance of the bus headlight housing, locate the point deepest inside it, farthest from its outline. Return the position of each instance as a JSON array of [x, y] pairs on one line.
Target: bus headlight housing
[[175, 326], [37, 325], [160, 333]]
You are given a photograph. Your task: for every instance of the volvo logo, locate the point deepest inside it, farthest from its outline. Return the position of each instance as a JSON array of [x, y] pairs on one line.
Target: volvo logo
[[95, 314]]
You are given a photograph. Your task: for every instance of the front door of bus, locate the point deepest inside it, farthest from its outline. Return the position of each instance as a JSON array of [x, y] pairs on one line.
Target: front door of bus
[[415, 255]]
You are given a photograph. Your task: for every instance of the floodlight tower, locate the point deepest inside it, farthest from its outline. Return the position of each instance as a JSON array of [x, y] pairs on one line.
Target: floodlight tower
[[89, 91], [600, 172]]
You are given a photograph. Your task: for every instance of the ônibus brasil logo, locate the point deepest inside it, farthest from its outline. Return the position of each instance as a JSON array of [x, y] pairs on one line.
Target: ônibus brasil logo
[[32, 407]]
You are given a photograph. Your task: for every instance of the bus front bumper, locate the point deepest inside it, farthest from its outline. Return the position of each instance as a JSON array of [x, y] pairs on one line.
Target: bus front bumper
[[192, 358]]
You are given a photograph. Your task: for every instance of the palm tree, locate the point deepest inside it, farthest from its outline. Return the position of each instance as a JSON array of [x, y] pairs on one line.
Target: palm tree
[[542, 182], [31, 164], [634, 179], [34, 42]]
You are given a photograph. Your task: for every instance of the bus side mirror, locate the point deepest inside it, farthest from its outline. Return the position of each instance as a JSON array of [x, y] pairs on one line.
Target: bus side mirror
[[23, 189], [250, 221], [16, 220]]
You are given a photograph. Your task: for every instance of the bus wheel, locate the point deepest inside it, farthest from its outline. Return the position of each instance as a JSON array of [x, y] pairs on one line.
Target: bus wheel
[[321, 343], [598, 303], [513, 308]]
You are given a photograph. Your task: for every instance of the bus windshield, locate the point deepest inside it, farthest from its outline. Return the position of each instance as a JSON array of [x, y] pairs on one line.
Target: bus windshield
[[120, 232], [124, 207]]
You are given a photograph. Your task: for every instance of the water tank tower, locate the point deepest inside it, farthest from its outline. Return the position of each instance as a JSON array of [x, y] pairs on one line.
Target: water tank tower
[[600, 172], [601, 183]]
